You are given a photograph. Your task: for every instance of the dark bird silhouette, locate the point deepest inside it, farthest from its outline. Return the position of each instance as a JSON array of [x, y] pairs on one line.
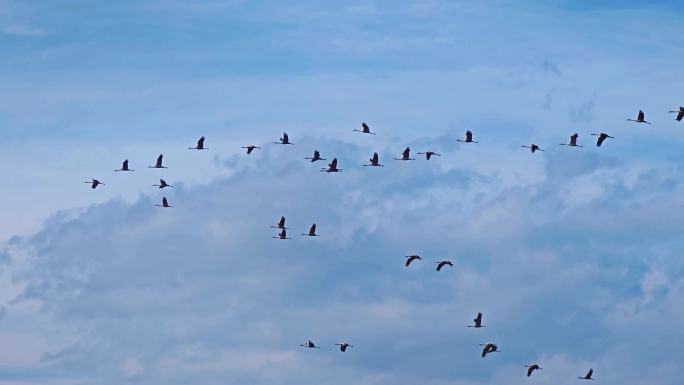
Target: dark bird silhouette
[[532, 368], [533, 148], [573, 141], [312, 231], [332, 167], [316, 156], [344, 346], [441, 264], [601, 137], [310, 345], [159, 164], [477, 321], [280, 224], [251, 148], [406, 155], [282, 235], [489, 348], [162, 184], [411, 258], [124, 166], [200, 145], [94, 183], [364, 129], [284, 140], [165, 203], [468, 138], [429, 154], [588, 375], [680, 114], [374, 161], [640, 118]]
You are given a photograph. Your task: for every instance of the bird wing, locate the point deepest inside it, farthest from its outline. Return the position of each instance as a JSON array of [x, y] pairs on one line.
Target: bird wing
[[125, 164], [600, 140], [478, 319], [376, 158], [530, 370], [641, 115], [589, 373], [281, 222], [312, 230], [406, 153], [165, 202], [160, 158], [333, 164], [200, 142], [285, 137], [469, 136], [680, 114]]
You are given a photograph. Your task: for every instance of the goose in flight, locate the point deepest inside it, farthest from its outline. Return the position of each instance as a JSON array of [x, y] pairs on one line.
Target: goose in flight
[[640, 118], [162, 184], [94, 183], [680, 114], [310, 345], [533, 148], [200, 145], [159, 164], [165, 203], [282, 235], [477, 322], [312, 231], [429, 154], [601, 137], [280, 224], [468, 138], [124, 166], [284, 140], [406, 155], [441, 264], [332, 167], [316, 156], [573, 141], [365, 129], [588, 375], [374, 161], [489, 348], [344, 346], [411, 258], [532, 368], [251, 148]]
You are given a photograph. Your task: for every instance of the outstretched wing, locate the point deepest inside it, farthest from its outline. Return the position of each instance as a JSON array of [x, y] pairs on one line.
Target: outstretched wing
[[200, 143], [160, 159]]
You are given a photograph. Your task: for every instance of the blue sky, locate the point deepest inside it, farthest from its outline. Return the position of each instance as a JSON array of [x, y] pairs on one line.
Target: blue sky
[[572, 254]]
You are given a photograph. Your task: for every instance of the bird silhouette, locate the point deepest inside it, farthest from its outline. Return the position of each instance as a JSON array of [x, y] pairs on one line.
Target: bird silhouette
[[640, 118], [165, 203], [601, 137], [588, 375], [533, 148], [680, 114], [532, 368], [159, 164], [94, 183], [374, 161], [468, 138], [250, 148], [332, 167], [162, 184], [344, 346], [200, 145], [489, 348], [280, 224], [477, 322], [310, 345], [312, 231], [364, 129], [316, 156], [411, 258], [573, 141], [429, 154], [284, 140], [406, 155], [124, 166], [441, 264], [282, 235]]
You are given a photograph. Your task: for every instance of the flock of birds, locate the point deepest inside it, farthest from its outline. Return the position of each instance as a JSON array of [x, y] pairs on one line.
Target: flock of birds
[[374, 161]]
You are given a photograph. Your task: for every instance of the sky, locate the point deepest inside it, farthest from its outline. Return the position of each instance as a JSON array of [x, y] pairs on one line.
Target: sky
[[572, 254]]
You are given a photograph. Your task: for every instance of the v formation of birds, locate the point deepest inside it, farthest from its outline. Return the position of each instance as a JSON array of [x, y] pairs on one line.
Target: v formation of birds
[[332, 167]]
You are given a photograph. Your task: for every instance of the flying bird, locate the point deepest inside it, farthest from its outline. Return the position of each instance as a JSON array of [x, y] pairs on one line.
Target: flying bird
[[429, 154], [374, 161], [344, 346], [94, 183], [165, 203], [441, 264], [365, 129], [332, 167], [280, 224], [533, 148], [282, 235], [601, 137], [251, 148], [468, 138], [532, 368], [680, 114], [588, 375], [477, 321], [284, 140], [640, 118], [316, 156], [310, 345], [411, 258], [200, 145], [406, 155], [124, 166], [312, 231], [162, 184], [489, 348], [573, 141], [158, 164]]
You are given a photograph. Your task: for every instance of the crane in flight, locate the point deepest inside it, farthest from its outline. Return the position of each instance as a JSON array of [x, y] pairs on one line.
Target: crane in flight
[[310, 345], [601, 138], [364, 129], [343, 346], [406, 155], [165, 203], [200, 145], [94, 183], [468, 137], [282, 235], [284, 140], [441, 264], [489, 348], [124, 166], [251, 148], [162, 184], [332, 167], [680, 114], [477, 322], [411, 258], [588, 375], [159, 164], [640, 118], [429, 154], [573, 141], [533, 148], [532, 368], [374, 161], [312, 231], [280, 224], [316, 156]]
